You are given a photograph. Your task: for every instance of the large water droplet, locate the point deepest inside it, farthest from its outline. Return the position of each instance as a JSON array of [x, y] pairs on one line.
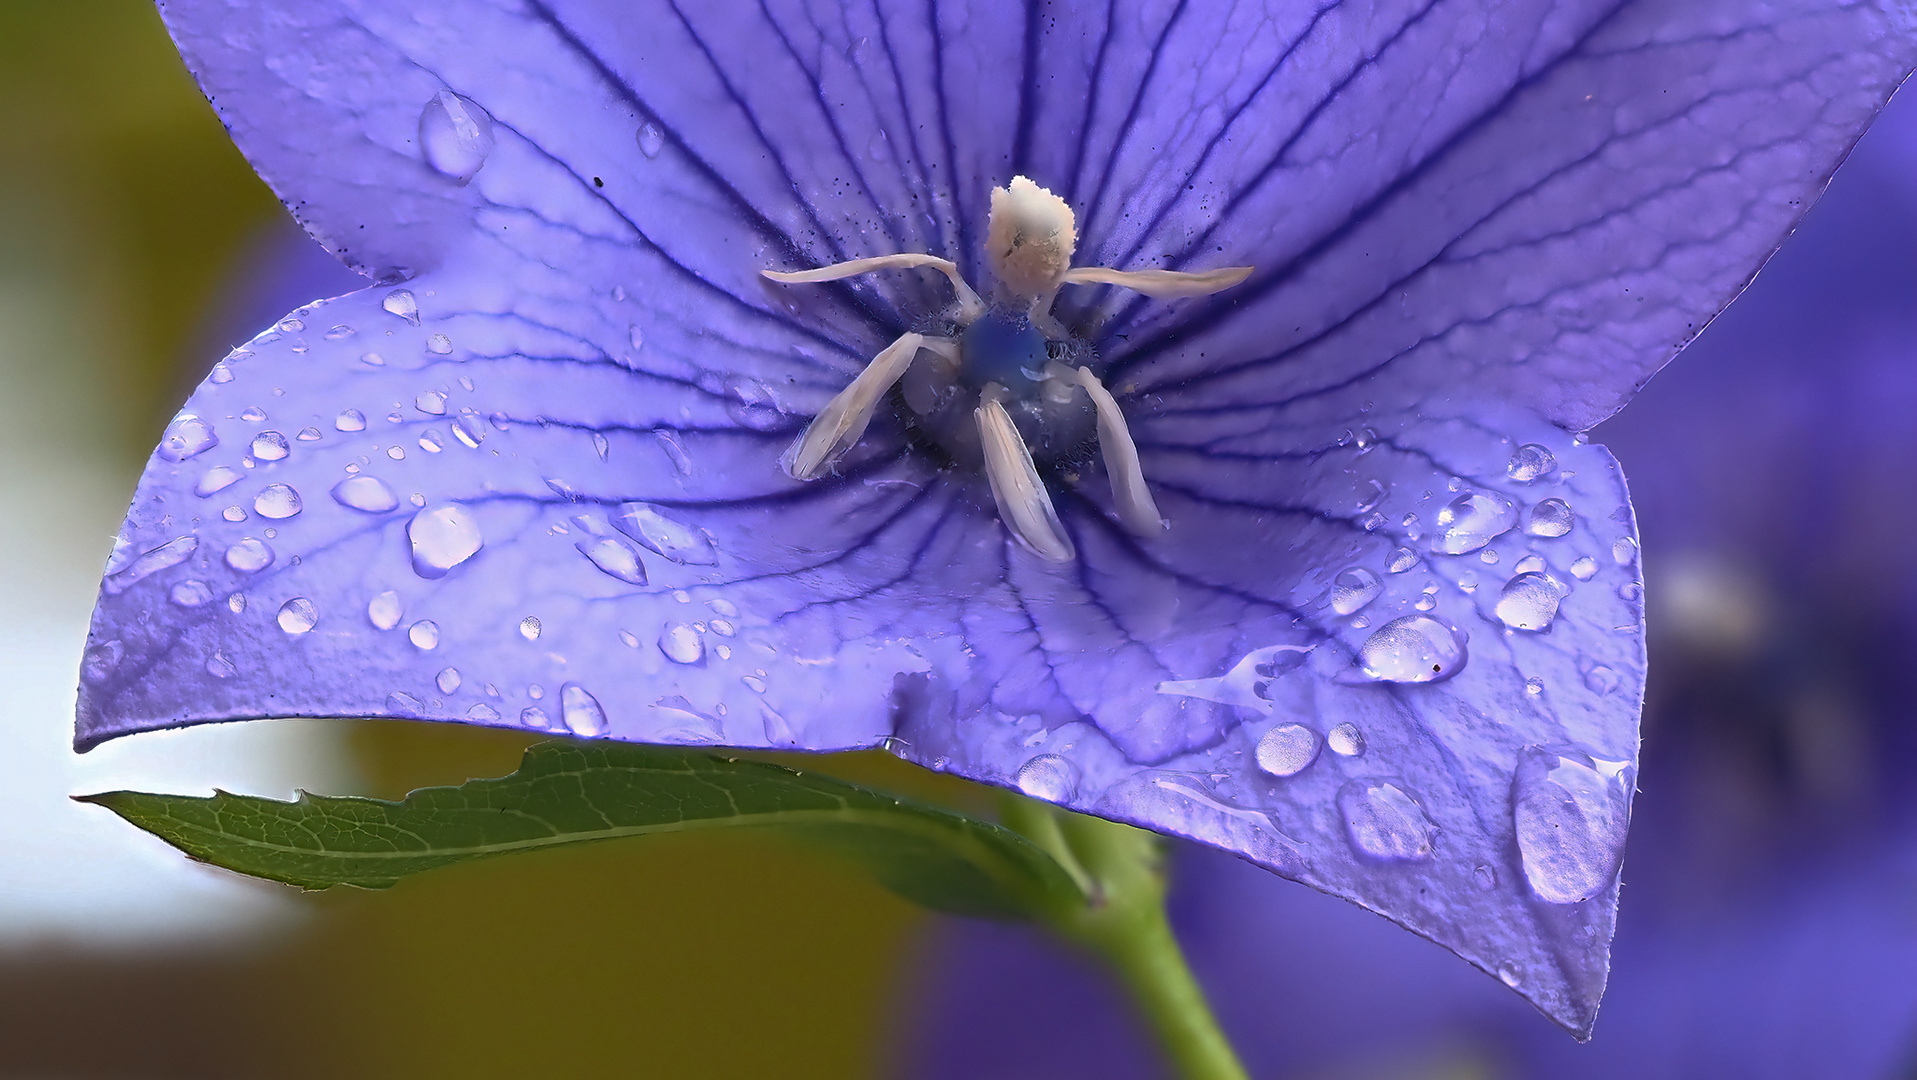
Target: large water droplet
[[672, 539], [1352, 589], [1412, 649], [216, 479], [424, 634], [1530, 463], [1286, 749], [270, 446], [298, 615], [368, 494], [1529, 602], [403, 303], [442, 538], [1049, 777], [1384, 822], [1571, 812], [385, 610], [152, 561], [581, 711], [1551, 517], [680, 643], [277, 501], [615, 557], [249, 556], [651, 139], [187, 436], [456, 135], [1473, 520]]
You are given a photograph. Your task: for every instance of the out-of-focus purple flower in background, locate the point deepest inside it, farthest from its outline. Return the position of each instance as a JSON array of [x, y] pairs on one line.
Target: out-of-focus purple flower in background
[[1770, 922]]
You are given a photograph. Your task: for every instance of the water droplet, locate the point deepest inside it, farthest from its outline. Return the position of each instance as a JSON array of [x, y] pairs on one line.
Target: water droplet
[[1529, 602], [424, 634], [403, 303], [236, 603], [187, 436], [218, 478], [373, 359], [220, 667], [1412, 649], [669, 445], [1570, 815], [456, 135], [339, 332], [1345, 740], [1485, 877], [350, 420], [309, 434], [152, 561], [249, 556], [629, 639], [534, 716], [681, 644], [1049, 777], [723, 628], [1286, 749], [253, 415], [468, 429], [1530, 463], [1602, 680], [368, 494], [529, 628], [291, 325], [1551, 517], [1534, 686], [220, 373], [535, 691], [1509, 975], [277, 501], [442, 539], [615, 557], [637, 337], [397, 453], [651, 139], [385, 610], [1584, 568], [1384, 822], [482, 712], [402, 704], [234, 513], [1401, 560], [601, 446], [298, 615], [190, 594], [439, 344], [1352, 589], [1624, 551], [432, 403], [581, 711], [665, 536], [1530, 564], [430, 443], [1473, 520], [447, 680]]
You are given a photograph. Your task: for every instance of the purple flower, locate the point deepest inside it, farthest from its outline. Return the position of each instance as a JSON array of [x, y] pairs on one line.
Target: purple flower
[[543, 475]]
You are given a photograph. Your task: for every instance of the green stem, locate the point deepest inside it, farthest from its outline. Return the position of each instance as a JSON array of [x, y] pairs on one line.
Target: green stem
[[1123, 922]]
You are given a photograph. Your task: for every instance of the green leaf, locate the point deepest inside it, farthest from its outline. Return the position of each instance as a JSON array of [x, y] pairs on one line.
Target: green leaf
[[570, 792]]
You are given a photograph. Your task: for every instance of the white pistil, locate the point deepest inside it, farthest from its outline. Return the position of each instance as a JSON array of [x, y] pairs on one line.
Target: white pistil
[[1023, 503], [970, 306], [843, 420], [1161, 284]]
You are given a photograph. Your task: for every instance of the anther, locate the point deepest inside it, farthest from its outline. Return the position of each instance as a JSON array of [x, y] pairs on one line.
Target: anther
[[1023, 503]]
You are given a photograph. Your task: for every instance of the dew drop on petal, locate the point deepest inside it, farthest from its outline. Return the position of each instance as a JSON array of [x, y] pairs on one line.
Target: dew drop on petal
[[424, 634], [1529, 602], [188, 435], [1624, 551], [1352, 589], [651, 139], [402, 704], [680, 643], [1473, 520], [152, 561], [447, 680], [269, 446], [1530, 564], [1550, 517], [1531, 462], [432, 403], [615, 557], [1285, 750], [1384, 822], [384, 611], [529, 628], [350, 420], [234, 513], [367, 494], [298, 615], [581, 711], [403, 303], [249, 556], [601, 446], [253, 415], [1584, 568], [1412, 649], [482, 712], [468, 429], [534, 716], [1570, 812], [236, 603], [220, 667], [1601, 680], [665, 536], [1401, 560], [216, 479], [430, 443], [277, 501], [439, 344], [455, 135], [441, 539], [1345, 740], [1049, 777], [190, 594]]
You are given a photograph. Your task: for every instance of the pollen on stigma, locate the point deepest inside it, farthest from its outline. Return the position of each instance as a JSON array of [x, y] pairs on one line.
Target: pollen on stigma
[[1002, 380]]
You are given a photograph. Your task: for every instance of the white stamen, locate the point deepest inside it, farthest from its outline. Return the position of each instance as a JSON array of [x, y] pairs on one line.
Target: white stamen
[[843, 420], [1130, 497], [1161, 284], [1040, 315], [970, 306], [1023, 503], [1030, 238]]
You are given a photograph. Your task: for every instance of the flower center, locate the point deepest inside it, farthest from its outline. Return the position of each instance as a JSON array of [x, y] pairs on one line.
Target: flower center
[[1009, 387]]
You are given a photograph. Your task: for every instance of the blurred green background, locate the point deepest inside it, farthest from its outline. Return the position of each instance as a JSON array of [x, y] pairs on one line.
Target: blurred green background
[[125, 216]]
